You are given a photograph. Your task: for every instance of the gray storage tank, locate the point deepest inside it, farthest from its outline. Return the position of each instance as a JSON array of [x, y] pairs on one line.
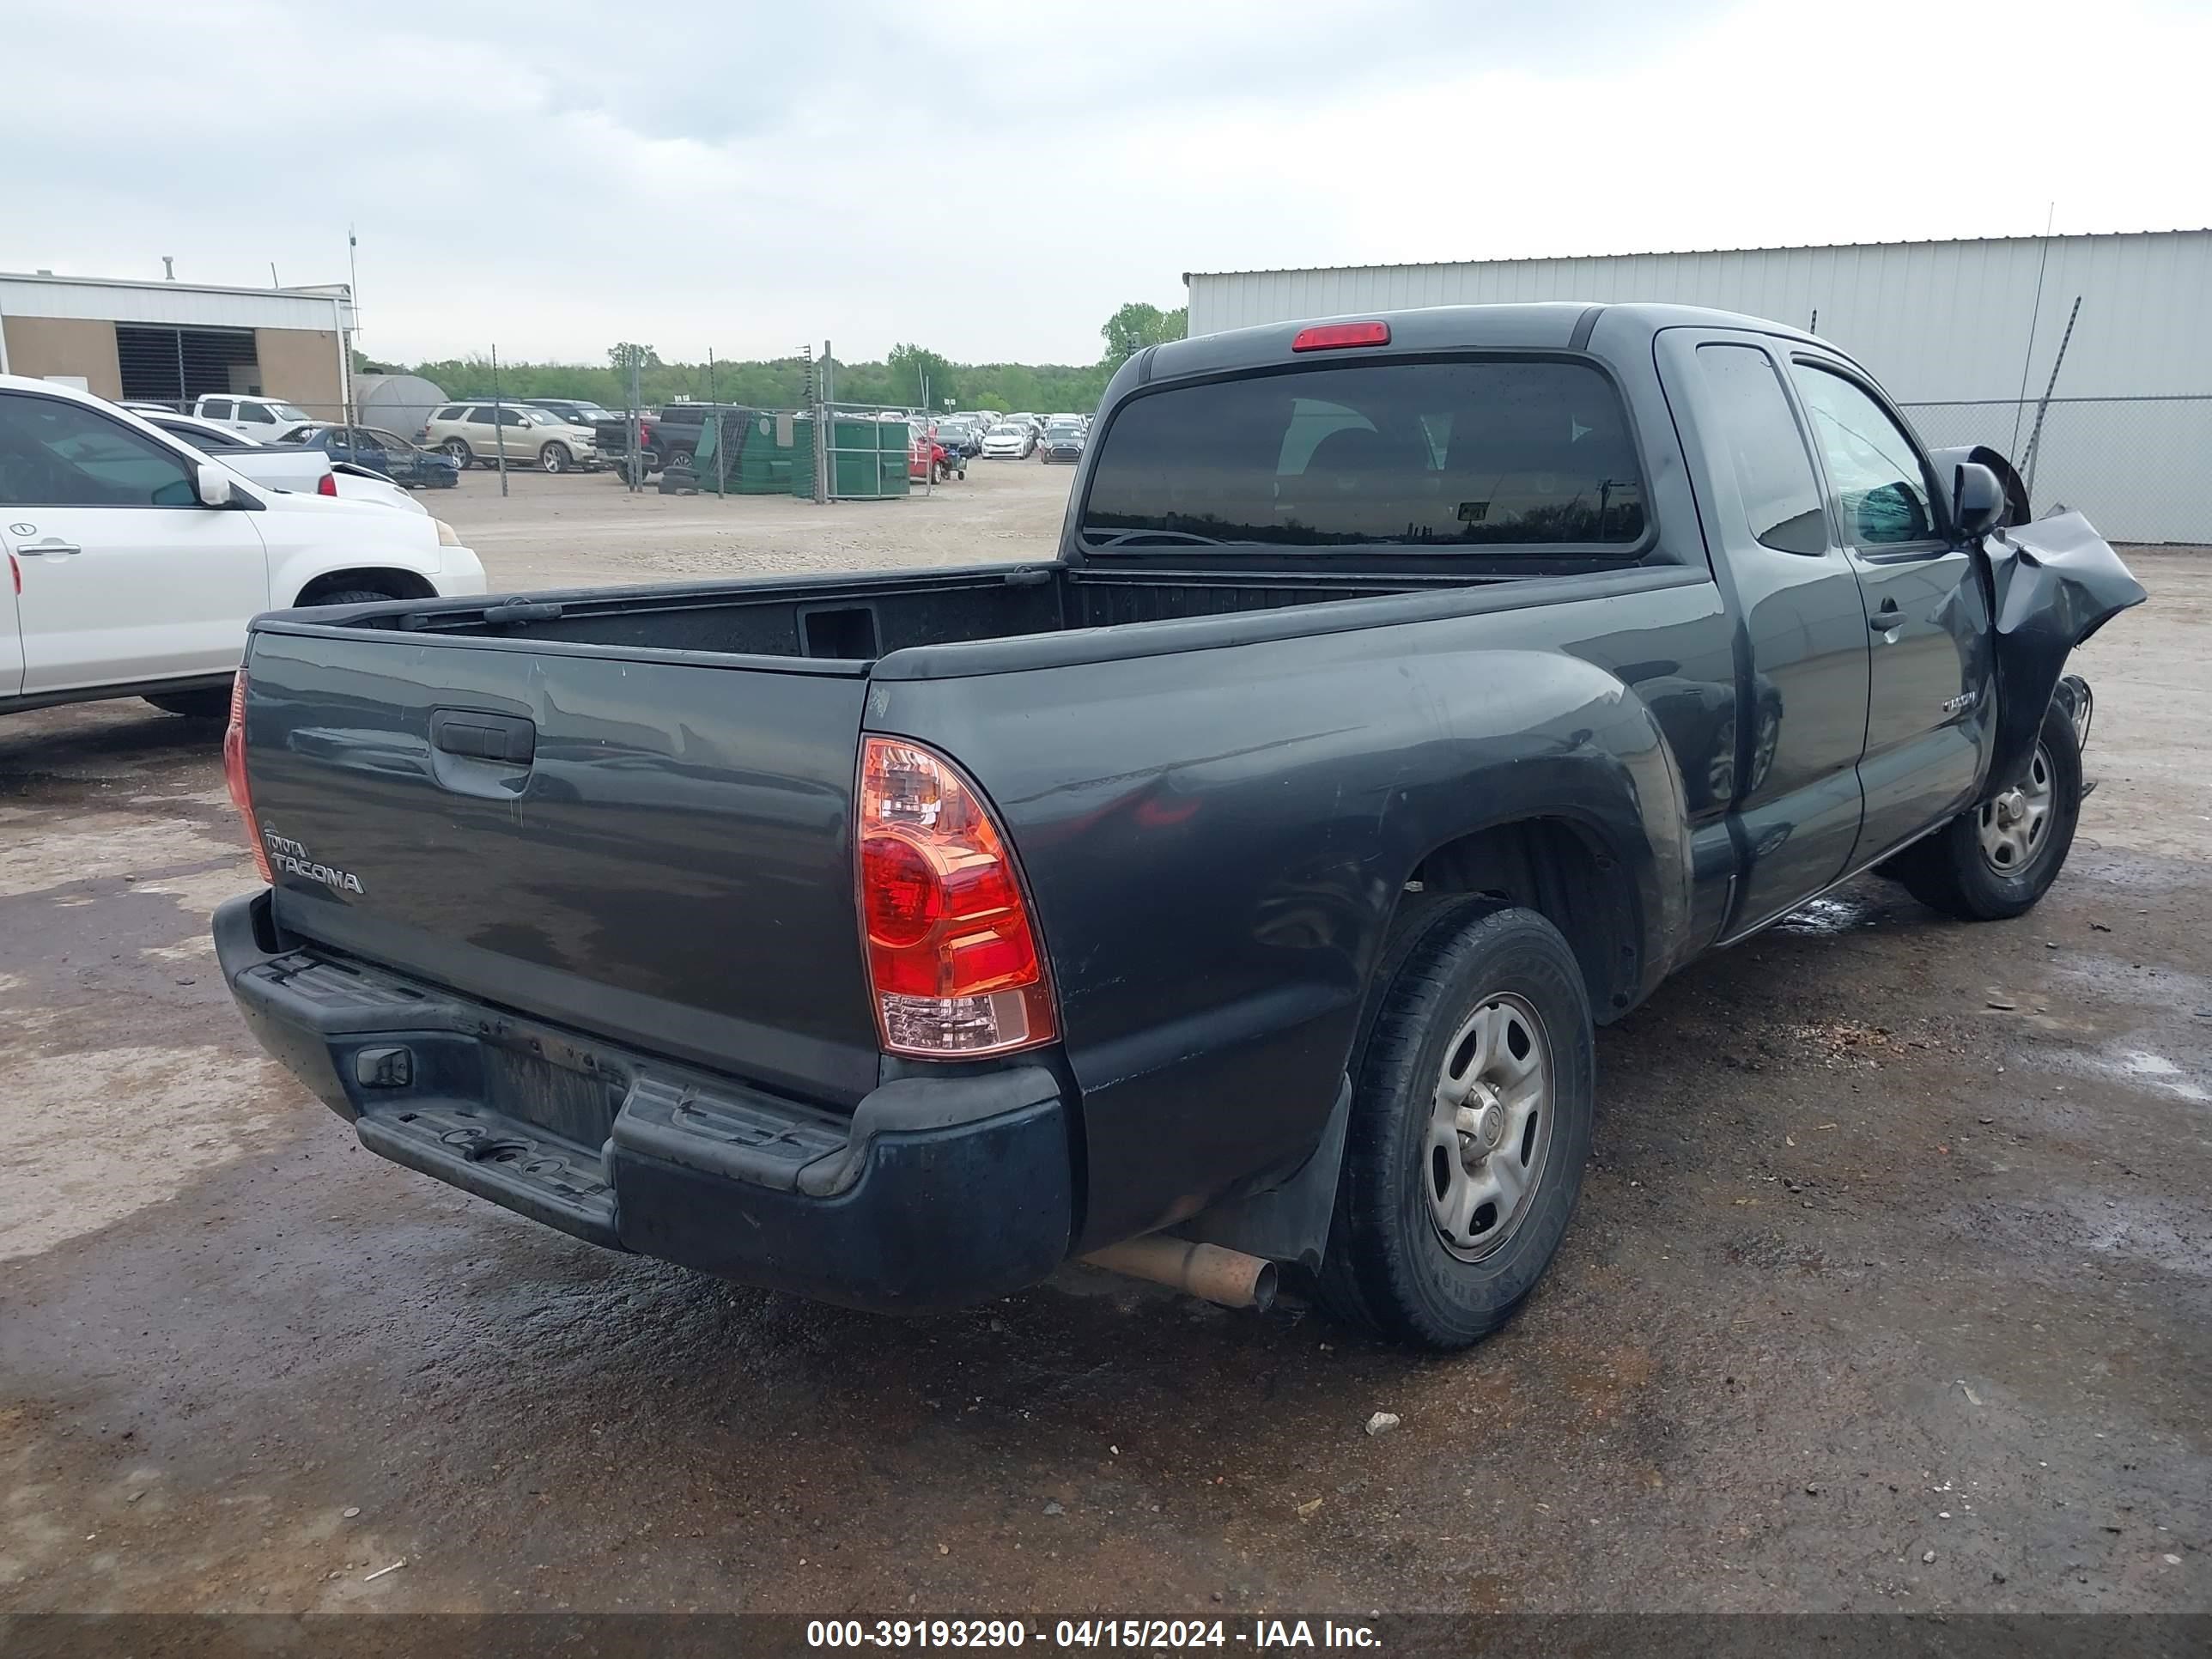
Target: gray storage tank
[[398, 403]]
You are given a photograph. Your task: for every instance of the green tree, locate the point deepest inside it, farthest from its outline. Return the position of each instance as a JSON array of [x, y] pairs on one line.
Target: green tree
[[1137, 326], [619, 356], [920, 376]]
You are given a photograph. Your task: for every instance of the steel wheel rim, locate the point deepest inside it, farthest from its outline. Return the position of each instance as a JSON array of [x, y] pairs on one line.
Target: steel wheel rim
[[459, 454], [552, 460], [2015, 826], [1490, 1126]]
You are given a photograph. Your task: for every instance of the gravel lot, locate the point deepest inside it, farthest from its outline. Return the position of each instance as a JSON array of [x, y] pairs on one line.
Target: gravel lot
[[1892, 1287]]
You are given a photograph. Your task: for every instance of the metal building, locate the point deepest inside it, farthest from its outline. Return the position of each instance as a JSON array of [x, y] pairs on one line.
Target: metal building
[[1965, 334], [172, 341]]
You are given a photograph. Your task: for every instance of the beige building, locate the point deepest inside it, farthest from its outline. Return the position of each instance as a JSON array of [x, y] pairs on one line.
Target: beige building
[[174, 342]]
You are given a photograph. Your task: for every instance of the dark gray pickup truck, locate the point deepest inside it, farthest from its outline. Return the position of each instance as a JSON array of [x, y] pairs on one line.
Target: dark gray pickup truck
[[1237, 888]]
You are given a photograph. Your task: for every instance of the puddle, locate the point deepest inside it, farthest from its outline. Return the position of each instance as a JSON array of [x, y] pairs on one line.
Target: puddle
[[1824, 918], [2160, 1072]]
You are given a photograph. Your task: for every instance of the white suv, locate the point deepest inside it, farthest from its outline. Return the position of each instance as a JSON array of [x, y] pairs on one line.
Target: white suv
[[262, 419], [135, 562]]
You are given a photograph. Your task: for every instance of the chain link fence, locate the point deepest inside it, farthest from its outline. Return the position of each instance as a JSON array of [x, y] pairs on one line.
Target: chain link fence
[[2139, 468]]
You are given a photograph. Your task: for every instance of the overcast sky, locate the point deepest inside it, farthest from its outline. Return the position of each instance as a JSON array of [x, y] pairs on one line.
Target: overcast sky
[[992, 177]]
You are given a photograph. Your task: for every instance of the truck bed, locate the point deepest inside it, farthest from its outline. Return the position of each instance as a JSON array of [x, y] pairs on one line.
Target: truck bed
[[859, 618]]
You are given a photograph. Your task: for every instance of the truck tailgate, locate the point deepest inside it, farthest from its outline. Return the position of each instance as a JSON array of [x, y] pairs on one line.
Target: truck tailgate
[[628, 842]]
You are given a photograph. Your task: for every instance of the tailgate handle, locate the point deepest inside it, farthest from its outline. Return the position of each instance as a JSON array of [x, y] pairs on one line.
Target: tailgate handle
[[508, 737]]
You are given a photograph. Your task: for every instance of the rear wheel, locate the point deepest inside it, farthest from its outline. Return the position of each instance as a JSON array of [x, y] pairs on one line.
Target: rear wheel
[[680, 460], [458, 449], [194, 705], [1998, 860], [1471, 1113], [554, 458]]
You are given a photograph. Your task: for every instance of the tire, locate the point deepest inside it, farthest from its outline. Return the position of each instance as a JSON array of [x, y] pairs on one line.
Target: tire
[[351, 596], [1958, 869], [1481, 997], [458, 449], [680, 459], [555, 457], [194, 705]]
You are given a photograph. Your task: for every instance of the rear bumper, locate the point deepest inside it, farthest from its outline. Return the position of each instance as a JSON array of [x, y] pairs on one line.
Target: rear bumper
[[936, 1192]]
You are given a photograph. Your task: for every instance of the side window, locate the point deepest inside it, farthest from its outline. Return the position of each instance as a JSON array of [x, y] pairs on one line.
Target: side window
[[1780, 492], [54, 453], [216, 408], [450, 412], [256, 415], [511, 417], [1880, 479]]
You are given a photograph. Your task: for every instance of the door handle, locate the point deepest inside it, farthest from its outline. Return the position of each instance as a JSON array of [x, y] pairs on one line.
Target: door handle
[[53, 546], [507, 738], [1886, 617]]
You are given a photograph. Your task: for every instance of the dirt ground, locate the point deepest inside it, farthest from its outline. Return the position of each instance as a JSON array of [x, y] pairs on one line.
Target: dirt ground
[[1891, 1287]]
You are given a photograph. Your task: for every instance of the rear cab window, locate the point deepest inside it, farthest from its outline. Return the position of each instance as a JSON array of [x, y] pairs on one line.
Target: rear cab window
[[1498, 457]]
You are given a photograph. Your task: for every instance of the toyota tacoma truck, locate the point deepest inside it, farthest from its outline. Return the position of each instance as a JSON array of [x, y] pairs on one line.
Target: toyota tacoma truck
[[1236, 889]]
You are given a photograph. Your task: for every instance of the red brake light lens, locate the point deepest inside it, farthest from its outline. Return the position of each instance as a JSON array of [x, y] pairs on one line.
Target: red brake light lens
[[1327, 337], [327, 484], [234, 774], [952, 954]]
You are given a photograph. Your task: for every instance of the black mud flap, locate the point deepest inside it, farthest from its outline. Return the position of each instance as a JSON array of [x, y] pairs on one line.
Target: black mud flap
[[2054, 583]]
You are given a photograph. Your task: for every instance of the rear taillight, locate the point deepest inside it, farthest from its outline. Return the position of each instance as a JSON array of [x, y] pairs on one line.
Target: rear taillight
[[234, 773], [326, 485], [953, 959]]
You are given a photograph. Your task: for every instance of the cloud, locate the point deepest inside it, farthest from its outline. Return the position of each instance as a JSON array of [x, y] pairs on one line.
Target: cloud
[[551, 177]]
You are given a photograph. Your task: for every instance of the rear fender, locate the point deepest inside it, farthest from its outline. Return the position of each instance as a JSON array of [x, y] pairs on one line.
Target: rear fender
[[1595, 760]]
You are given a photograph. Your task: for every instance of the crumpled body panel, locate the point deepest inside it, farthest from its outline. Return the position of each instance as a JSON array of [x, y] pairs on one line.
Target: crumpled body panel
[[2055, 582]]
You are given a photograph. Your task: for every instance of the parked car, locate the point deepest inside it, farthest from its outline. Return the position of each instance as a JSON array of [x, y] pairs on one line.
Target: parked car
[[137, 558], [1310, 809], [259, 419], [575, 412], [298, 467], [1063, 440], [1014, 440], [383, 450], [670, 434], [927, 460], [472, 432], [960, 437]]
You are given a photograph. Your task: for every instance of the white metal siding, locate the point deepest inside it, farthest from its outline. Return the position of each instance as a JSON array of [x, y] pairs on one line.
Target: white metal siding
[[1934, 320], [178, 304]]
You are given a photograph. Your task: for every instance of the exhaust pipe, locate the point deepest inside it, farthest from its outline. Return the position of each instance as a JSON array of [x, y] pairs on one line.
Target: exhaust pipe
[[1229, 1279]]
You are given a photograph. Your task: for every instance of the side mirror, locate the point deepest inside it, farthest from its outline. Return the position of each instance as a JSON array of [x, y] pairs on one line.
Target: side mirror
[[1978, 500], [212, 485]]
